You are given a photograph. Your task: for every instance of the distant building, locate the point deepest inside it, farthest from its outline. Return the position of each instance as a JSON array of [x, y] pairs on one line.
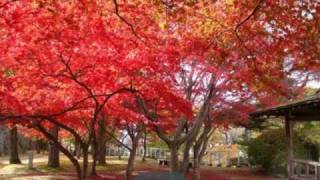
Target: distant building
[[222, 155], [223, 149]]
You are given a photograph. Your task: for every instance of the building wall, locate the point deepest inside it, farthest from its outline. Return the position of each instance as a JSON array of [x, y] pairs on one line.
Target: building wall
[[221, 155]]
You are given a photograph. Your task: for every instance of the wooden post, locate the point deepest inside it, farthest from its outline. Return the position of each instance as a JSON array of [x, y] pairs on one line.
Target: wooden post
[[316, 172], [289, 136]]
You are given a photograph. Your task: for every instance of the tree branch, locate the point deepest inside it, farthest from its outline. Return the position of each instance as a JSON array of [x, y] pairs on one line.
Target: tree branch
[[236, 30], [142, 106], [124, 20], [116, 139]]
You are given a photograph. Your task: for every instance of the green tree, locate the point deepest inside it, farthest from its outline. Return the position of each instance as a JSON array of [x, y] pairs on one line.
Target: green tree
[[269, 149]]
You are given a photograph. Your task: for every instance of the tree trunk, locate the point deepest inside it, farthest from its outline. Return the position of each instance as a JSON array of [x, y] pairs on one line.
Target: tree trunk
[[102, 143], [197, 160], [196, 167], [199, 150], [94, 156], [85, 161], [144, 145], [76, 145], [62, 149], [132, 156], [38, 146], [120, 153], [186, 159], [102, 155], [192, 134], [198, 154], [53, 157], [174, 159], [130, 165], [14, 156], [135, 137], [77, 149]]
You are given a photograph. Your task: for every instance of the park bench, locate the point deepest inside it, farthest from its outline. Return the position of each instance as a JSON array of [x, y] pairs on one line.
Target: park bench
[[163, 162]]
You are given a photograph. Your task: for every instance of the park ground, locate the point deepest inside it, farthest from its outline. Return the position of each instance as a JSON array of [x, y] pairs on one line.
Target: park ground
[[113, 170]]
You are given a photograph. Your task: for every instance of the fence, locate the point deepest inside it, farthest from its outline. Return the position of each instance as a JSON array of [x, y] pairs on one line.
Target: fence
[[156, 153], [305, 170]]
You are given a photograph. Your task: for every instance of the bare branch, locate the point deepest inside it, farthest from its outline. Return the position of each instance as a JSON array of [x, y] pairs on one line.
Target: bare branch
[[255, 10], [75, 78], [142, 106], [41, 129], [168, 4], [241, 23], [118, 141], [124, 19]]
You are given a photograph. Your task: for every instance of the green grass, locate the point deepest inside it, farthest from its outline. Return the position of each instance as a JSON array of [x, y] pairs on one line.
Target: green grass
[[65, 166], [46, 169], [111, 167]]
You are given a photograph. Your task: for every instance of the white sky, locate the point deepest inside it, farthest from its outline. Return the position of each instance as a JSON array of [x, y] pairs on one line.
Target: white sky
[[314, 84]]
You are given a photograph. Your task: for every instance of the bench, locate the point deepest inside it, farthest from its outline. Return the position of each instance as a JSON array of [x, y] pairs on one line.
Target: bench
[[163, 162]]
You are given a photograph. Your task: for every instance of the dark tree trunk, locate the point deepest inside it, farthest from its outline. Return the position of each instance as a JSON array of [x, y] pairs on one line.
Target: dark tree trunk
[[196, 168], [85, 161], [30, 146], [144, 145], [132, 157], [53, 157], [94, 156], [102, 156], [62, 149], [102, 143], [120, 153], [184, 169], [196, 160], [174, 158], [38, 146], [186, 159], [135, 135], [198, 154], [77, 149], [199, 150], [14, 156]]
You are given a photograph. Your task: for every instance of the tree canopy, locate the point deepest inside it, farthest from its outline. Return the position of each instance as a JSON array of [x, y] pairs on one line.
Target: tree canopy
[[161, 63]]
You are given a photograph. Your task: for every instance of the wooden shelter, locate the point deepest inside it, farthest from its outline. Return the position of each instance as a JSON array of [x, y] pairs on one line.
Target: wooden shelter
[[307, 109]]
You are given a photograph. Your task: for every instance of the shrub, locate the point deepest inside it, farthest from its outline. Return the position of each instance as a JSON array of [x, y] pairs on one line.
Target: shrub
[[269, 150]]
